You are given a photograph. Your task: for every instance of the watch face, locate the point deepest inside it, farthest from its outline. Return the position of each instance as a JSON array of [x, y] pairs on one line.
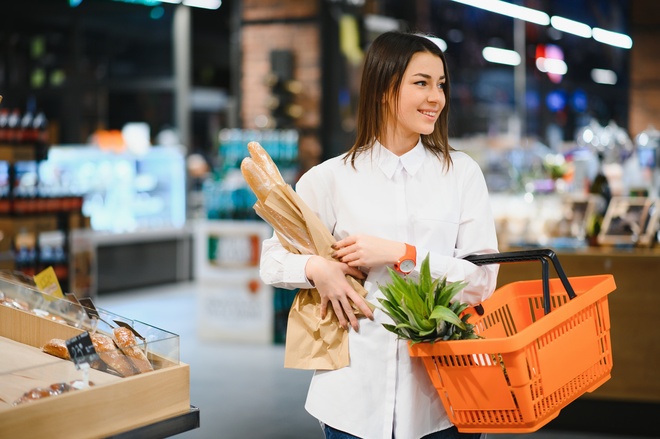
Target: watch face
[[407, 265]]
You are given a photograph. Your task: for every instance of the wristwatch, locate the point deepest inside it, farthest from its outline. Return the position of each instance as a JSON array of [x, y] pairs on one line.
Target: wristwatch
[[407, 262]]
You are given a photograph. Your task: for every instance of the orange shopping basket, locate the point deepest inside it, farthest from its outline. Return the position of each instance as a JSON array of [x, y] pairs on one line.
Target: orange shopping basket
[[545, 343]]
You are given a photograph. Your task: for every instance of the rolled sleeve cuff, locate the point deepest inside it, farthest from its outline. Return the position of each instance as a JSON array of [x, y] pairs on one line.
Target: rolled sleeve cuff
[[294, 273]]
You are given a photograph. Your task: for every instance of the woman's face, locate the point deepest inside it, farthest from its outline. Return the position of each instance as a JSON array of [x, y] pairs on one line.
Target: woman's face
[[421, 96]]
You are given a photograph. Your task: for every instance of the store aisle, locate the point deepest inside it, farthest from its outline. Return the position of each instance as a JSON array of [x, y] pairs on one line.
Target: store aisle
[[242, 391]]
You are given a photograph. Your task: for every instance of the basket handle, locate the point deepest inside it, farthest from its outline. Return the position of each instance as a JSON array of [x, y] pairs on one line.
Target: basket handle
[[541, 255]]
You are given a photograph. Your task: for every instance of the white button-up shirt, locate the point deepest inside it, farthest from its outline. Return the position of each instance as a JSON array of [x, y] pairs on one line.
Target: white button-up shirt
[[412, 199]]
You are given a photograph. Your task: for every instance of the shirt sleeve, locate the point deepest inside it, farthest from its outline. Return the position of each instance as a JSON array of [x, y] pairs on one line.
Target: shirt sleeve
[[476, 235], [279, 267]]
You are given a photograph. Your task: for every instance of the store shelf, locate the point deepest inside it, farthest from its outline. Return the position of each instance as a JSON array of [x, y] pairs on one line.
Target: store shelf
[[134, 405]]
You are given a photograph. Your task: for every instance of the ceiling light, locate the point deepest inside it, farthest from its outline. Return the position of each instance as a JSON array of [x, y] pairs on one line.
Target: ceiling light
[[205, 4], [438, 42], [612, 38], [509, 9], [603, 76], [550, 65], [501, 56], [571, 26]]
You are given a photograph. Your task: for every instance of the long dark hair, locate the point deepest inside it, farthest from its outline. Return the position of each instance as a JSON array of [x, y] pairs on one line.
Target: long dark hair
[[385, 63]]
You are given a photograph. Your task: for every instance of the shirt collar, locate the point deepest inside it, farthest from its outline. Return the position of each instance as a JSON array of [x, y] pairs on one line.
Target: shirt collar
[[388, 162]]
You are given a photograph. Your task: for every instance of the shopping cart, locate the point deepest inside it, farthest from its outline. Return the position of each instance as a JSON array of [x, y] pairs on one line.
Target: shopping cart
[[545, 343]]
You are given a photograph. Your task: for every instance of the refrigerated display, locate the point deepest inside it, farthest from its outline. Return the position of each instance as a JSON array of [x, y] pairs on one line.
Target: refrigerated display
[[122, 192]]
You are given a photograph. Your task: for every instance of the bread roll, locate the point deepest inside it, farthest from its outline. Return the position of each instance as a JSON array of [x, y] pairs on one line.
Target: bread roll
[[111, 355], [126, 341], [57, 347]]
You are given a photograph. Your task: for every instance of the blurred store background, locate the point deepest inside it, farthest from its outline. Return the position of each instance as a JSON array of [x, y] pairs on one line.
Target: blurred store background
[[123, 124]]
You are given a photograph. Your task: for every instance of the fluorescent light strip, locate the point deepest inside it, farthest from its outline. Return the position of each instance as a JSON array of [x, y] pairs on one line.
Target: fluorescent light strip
[[206, 4], [509, 9], [612, 38], [571, 26], [559, 23], [603, 76], [501, 56]]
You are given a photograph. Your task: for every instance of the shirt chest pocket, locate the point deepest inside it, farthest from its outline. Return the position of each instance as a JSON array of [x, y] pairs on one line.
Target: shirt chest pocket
[[437, 231]]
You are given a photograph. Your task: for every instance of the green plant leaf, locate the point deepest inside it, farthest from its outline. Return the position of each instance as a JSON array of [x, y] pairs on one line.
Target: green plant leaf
[[449, 290], [392, 310], [443, 313], [422, 308]]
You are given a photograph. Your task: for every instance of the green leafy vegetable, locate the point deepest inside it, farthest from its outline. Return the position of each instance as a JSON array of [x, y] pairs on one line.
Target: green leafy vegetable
[[423, 310]]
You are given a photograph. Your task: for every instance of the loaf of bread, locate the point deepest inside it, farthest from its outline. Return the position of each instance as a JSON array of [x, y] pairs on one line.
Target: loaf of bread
[[265, 162], [57, 347], [111, 355], [125, 339], [257, 178]]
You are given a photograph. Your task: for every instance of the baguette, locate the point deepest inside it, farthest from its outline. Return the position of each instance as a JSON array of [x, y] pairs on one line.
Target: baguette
[[257, 178], [126, 341], [294, 235], [265, 162], [111, 355]]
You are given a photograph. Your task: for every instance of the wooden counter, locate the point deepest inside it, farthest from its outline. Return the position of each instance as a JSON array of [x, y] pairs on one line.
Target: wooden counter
[[112, 406], [634, 314]]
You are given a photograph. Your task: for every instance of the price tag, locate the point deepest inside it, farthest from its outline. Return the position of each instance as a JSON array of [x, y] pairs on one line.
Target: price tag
[[47, 282], [89, 307], [81, 349], [72, 298]]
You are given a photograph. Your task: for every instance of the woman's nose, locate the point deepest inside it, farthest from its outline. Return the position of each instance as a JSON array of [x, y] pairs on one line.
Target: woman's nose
[[435, 95]]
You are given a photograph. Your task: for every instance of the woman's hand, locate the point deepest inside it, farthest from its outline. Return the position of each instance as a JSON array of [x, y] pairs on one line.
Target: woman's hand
[[368, 251], [329, 278]]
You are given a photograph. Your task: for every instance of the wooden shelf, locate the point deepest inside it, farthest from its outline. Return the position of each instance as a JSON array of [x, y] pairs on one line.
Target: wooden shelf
[[113, 406]]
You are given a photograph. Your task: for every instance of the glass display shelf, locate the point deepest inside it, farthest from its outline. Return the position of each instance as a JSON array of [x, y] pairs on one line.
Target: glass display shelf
[[124, 386]]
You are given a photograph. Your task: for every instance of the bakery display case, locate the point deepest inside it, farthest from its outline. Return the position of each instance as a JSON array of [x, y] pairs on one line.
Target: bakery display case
[[132, 378]]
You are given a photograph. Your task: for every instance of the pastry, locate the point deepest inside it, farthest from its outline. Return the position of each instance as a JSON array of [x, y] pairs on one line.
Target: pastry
[[111, 355], [57, 347], [125, 339]]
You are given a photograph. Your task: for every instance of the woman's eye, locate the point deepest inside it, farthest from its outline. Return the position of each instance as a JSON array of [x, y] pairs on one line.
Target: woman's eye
[[420, 83], [441, 85]]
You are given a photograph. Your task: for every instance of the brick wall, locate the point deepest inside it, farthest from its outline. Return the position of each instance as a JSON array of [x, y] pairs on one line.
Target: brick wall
[[293, 25], [644, 66]]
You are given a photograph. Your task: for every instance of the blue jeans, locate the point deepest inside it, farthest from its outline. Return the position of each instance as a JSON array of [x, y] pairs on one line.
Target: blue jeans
[[450, 433]]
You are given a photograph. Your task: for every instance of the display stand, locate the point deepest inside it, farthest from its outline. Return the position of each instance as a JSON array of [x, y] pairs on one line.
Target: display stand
[[124, 397], [166, 428], [233, 303]]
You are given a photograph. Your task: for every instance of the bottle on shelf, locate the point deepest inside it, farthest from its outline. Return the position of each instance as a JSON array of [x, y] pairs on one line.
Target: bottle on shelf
[[4, 122], [599, 187], [26, 133], [13, 126]]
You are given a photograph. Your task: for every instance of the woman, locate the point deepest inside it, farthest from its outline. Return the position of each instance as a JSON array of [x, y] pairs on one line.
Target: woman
[[400, 193]]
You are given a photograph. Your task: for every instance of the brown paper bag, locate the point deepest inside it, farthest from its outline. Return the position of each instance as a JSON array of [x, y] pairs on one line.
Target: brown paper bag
[[311, 342]]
